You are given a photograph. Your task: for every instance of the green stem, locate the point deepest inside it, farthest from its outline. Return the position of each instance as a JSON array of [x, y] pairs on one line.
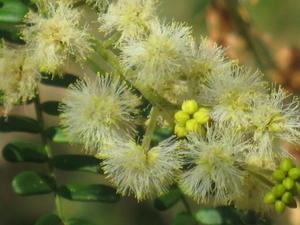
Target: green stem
[[186, 204], [150, 129], [109, 42], [40, 118]]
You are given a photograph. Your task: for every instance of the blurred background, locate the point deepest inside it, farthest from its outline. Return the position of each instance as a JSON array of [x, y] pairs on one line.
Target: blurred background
[[262, 34]]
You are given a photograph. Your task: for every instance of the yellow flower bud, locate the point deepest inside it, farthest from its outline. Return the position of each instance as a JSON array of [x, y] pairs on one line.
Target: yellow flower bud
[[190, 106], [181, 117], [180, 131], [191, 125], [279, 206], [202, 116]]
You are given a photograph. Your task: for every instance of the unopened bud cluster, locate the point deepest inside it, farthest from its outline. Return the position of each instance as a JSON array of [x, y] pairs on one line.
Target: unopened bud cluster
[[190, 118], [287, 187]]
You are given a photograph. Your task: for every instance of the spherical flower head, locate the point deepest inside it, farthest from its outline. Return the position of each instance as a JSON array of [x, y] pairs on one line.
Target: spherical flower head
[[56, 37], [275, 117], [19, 76], [130, 17], [232, 95], [97, 111], [144, 174], [159, 57], [207, 58], [214, 176]]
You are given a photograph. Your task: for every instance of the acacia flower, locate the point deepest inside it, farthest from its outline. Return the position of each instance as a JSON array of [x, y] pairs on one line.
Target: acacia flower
[[214, 175], [160, 56], [56, 37], [97, 111], [130, 17], [232, 95], [19, 76], [275, 117], [207, 58], [144, 174]]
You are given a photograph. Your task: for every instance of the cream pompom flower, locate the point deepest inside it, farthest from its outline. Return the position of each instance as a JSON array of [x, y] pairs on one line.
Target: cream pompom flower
[[207, 58], [215, 176], [275, 117], [144, 174], [19, 77], [160, 56], [56, 37], [97, 111], [130, 17], [232, 95]]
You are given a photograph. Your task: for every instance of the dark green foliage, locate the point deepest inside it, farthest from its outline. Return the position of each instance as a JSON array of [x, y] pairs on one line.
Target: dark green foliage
[[50, 219], [10, 33], [166, 201], [209, 216], [19, 124], [24, 152], [59, 81], [161, 134], [32, 183], [184, 219], [12, 11], [227, 215], [83, 163], [51, 108], [57, 135], [78, 222], [89, 193]]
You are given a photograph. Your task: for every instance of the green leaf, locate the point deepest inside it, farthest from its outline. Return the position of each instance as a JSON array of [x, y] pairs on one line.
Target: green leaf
[[89, 193], [24, 152], [83, 163], [10, 33], [51, 108], [19, 124], [32, 183], [184, 219], [59, 81], [209, 216], [166, 201], [161, 134], [229, 215], [50, 219], [57, 135], [78, 222], [12, 11]]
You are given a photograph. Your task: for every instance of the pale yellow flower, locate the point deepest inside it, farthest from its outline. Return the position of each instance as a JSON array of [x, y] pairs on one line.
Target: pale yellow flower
[[130, 17], [142, 174], [55, 36], [97, 111], [19, 76], [214, 176]]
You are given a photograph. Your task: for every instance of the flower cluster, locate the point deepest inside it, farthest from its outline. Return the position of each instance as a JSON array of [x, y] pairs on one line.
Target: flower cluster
[[228, 130], [228, 121]]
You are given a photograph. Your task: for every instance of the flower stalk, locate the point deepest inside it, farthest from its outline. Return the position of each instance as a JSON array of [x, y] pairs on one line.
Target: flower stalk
[[150, 129], [47, 147]]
